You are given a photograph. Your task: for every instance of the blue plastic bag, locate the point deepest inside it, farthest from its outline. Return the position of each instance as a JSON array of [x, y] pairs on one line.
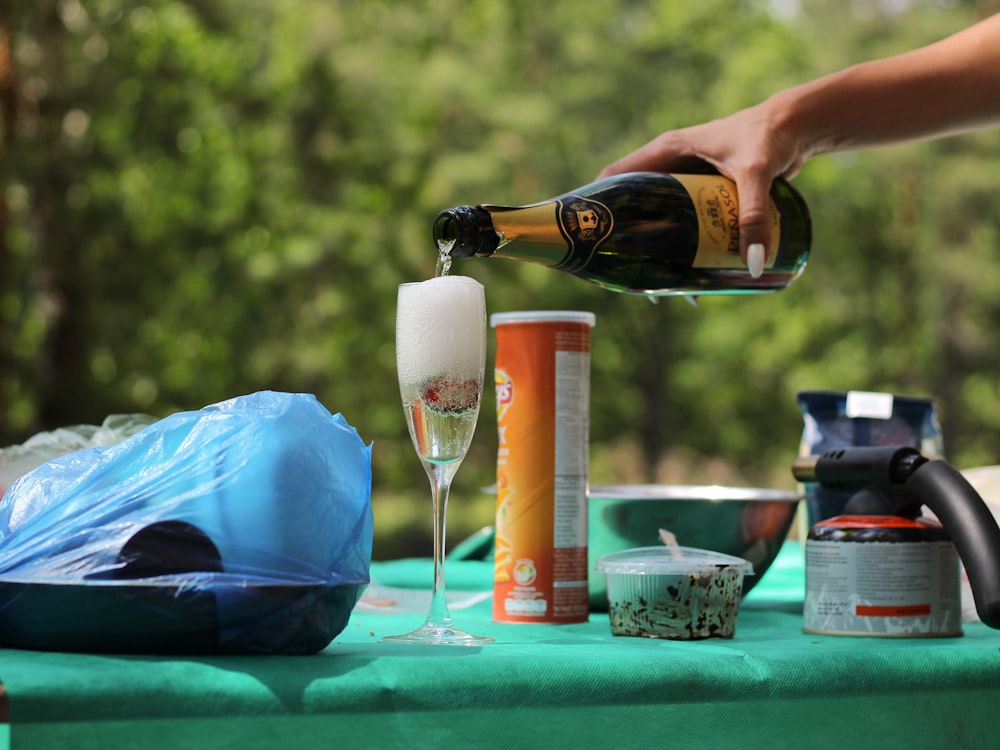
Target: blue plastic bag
[[243, 527]]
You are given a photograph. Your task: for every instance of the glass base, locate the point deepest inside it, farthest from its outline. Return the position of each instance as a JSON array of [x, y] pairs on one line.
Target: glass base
[[439, 635]]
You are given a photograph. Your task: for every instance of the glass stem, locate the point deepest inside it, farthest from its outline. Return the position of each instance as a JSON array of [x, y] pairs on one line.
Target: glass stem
[[440, 477]]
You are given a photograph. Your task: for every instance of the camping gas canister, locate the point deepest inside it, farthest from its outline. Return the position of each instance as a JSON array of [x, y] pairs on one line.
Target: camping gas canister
[[882, 576]]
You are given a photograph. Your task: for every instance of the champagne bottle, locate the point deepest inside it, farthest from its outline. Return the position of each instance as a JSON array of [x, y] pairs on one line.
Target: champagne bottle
[[640, 233]]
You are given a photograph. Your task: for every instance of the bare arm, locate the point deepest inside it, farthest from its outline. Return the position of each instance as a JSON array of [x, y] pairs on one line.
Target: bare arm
[[946, 88]]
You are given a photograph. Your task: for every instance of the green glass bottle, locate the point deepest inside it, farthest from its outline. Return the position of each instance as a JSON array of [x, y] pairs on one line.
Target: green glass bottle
[[639, 233]]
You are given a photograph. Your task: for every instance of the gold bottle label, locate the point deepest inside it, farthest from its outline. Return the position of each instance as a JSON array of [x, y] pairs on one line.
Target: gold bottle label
[[581, 224], [715, 204]]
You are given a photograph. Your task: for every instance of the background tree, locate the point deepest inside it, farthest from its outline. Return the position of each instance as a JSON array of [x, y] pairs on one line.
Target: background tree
[[203, 198]]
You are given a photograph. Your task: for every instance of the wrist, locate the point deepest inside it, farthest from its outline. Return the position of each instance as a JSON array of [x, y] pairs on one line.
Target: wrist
[[801, 122]]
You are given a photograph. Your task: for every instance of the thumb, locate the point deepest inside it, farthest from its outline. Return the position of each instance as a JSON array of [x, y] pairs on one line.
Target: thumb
[[755, 225]]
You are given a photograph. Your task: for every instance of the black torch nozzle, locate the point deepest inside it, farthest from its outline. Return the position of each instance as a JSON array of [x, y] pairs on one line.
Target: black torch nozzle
[[860, 467]]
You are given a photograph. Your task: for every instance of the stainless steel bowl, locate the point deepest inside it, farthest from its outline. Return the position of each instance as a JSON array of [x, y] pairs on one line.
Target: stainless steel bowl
[[745, 522]]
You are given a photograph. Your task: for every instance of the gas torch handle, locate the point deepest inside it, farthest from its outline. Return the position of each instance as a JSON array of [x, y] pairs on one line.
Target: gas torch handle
[[971, 525]]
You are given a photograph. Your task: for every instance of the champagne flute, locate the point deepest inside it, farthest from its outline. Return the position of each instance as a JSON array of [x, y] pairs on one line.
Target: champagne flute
[[440, 360]]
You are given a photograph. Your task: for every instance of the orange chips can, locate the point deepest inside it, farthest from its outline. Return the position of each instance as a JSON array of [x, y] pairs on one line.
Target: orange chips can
[[542, 381]]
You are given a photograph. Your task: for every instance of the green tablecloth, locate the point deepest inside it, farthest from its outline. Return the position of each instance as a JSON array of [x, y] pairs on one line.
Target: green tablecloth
[[772, 686]]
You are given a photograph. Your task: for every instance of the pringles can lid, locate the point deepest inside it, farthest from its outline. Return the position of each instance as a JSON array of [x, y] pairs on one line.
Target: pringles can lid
[[543, 316]]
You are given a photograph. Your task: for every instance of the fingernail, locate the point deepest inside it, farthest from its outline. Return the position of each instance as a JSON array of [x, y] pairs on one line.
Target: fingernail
[[755, 260]]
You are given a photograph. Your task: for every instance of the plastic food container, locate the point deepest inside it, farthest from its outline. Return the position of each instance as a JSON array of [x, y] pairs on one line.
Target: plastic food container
[[678, 593]]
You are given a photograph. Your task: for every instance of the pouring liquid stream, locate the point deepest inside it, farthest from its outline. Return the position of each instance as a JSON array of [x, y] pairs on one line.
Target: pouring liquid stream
[[444, 257]]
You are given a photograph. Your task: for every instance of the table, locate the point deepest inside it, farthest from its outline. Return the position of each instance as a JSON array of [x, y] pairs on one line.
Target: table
[[771, 686]]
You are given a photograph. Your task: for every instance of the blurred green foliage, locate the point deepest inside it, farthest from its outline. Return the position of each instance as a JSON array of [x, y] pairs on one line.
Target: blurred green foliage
[[203, 198]]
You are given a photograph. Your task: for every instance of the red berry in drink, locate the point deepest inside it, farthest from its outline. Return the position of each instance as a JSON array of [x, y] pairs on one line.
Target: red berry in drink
[[448, 395]]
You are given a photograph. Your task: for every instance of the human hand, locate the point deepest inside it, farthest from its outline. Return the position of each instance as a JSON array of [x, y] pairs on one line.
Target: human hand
[[750, 147]]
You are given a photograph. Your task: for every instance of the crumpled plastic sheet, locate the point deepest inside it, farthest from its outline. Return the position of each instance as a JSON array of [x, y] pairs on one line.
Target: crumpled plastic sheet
[[247, 525], [18, 460]]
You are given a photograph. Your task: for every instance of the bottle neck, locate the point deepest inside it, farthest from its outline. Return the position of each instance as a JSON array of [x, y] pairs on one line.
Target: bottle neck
[[468, 229]]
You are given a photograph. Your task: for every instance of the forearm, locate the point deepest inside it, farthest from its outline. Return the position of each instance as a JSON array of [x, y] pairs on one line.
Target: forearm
[[949, 87]]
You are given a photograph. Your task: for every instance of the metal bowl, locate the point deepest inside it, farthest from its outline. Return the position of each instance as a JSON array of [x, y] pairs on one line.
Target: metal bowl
[[744, 522]]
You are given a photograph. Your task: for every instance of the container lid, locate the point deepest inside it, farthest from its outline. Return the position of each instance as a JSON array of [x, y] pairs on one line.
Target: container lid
[[544, 316], [670, 561]]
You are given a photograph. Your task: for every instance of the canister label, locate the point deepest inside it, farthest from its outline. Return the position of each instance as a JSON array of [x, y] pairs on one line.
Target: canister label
[[882, 588], [542, 380]]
